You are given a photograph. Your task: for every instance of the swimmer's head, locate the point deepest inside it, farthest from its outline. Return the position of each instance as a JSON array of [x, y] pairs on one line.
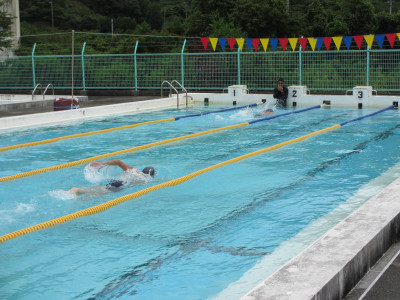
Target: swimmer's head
[[149, 170]]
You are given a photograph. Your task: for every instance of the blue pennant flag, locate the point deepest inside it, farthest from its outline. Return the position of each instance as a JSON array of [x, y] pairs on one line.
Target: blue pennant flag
[[222, 42], [249, 43], [380, 38], [347, 41], [274, 43], [320, 40]]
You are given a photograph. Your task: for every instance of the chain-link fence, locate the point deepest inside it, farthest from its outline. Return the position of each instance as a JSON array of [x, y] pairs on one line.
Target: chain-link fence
[[318, 70]]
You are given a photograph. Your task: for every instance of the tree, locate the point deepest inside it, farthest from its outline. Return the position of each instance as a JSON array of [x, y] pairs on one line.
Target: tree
[[5, 25]]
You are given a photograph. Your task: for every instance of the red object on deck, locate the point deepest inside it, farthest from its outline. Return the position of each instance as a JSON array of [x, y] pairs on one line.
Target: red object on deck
[[65, 103]]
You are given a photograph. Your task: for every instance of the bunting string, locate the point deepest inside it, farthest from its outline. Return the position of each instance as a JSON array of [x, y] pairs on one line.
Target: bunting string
[[313, 43]]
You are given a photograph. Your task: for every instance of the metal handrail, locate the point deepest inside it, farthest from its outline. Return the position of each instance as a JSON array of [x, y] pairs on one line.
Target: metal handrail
[[183, 89], [50, 84], [170, 87], [34, 90]]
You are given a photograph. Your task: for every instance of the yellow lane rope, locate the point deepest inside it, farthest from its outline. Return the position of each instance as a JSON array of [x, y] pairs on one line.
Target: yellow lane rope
[[48, 141], [109, 204], [93, 158]]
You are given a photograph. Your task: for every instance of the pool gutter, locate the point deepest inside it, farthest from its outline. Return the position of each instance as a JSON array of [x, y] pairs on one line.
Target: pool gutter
[[336, 262]]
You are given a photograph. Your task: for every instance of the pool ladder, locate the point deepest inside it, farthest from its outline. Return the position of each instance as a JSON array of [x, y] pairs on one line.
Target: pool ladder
[[41, 88], [171, 87]]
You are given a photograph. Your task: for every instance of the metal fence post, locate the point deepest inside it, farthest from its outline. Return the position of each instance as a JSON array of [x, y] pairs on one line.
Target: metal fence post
[[368, 65], [83, 66], [300, 49], [33, 66], [134, 56], [182, 64], [238, 66]]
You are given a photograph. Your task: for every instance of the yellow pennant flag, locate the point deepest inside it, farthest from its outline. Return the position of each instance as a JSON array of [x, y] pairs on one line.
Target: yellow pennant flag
[[338, 41], [264, 43], [240, 43], [293, 43], [214, 42], [369, 39], [398, 36], [313, 42]]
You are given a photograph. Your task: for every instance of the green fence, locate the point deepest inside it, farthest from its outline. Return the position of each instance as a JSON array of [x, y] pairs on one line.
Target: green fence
[[318, 70]]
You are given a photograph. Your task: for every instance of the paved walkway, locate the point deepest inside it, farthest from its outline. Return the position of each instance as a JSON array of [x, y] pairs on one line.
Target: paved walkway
[[382, 282]]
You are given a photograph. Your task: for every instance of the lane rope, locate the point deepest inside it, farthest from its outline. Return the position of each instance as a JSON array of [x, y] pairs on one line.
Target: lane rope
[[111, 203], [145, 146], [52, 140]]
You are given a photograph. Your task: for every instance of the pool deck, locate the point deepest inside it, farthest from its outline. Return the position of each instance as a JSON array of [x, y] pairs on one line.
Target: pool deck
[[321, 271]]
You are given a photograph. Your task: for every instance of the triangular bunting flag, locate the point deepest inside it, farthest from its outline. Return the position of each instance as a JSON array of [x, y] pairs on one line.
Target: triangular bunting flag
[[222, 42], [313, 42], [347, 41], [249, 43], [255, 44], [338, 41], [264, 43], [293, 43], [319, 43], [231, 43], [327, 42], [358, 39], [283, 42], [204, 41], [379, 39], [303, 43], [369, 39], [391, 37], [214, 42], [274, 43], [240, 43]]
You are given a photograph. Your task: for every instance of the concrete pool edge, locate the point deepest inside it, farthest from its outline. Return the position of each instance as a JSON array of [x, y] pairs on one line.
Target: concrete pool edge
[[334, 264], [79, 114]]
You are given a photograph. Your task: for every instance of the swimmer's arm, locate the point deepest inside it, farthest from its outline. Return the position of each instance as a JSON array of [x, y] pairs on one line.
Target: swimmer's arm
[[114, 162]]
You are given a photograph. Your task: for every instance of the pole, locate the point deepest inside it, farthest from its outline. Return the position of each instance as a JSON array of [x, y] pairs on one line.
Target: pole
[[52, 14], [83, 66], [300, 49], [238, 60], [33, 66], [182, 65], [367, 65], [136, 46], [72, 68]]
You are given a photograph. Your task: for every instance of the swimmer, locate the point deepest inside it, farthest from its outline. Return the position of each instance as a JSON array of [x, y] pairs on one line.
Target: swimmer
[[267, 112], [130, 176]]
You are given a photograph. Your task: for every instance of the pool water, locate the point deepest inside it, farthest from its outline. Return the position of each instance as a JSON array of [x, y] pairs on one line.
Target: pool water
[[190, 241]]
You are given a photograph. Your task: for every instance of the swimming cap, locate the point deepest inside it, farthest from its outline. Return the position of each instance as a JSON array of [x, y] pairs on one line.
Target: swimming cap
[[149, 170]]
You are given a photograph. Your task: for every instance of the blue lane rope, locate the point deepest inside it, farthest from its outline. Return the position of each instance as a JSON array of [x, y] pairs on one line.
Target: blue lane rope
[[214, 111], [366, 116], [285, 114]]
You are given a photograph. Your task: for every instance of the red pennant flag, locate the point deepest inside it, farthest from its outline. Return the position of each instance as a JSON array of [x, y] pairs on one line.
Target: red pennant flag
[[255, 44], [391, 37], [205, 40], [303, 43], [231, 43], [358, 39], [327, 41], [283, 42]]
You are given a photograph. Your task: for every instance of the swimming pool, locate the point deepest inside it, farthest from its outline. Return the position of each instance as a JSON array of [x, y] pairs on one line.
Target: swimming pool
[[194, 239]]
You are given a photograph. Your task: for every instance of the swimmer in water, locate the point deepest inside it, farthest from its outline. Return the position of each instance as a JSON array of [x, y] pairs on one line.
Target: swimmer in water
[[267, 112], [131, 176]]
